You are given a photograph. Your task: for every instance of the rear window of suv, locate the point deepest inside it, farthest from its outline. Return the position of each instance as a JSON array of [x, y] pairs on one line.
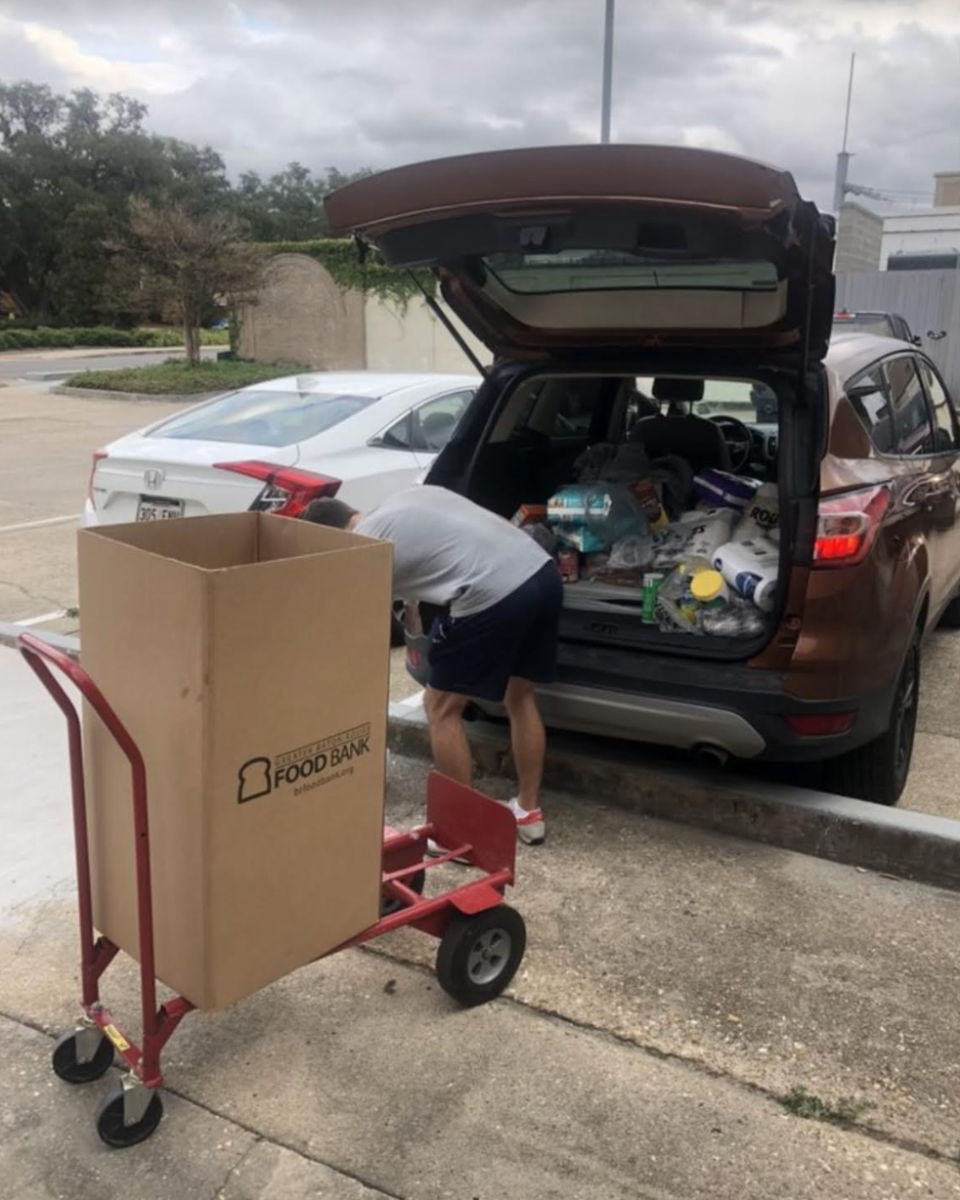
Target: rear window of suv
[[263, 418]]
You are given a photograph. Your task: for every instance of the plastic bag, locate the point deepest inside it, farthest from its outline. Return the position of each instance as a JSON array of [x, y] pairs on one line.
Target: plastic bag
[[543, 535], [631, 552], [708, 530], [676, 614], [737, 619], [609, 510]]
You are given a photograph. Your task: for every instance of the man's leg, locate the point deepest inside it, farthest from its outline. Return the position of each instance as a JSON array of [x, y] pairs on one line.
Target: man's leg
[[528, 739], [448, 738]]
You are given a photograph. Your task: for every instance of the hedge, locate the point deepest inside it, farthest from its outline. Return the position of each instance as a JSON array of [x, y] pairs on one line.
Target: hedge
[[50, 338]]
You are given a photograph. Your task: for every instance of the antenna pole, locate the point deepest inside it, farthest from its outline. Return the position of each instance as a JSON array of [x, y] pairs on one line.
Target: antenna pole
[[607, 72], [846, 119]]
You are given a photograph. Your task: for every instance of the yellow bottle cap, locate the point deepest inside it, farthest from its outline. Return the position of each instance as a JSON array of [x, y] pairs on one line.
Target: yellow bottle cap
[[706, 586]]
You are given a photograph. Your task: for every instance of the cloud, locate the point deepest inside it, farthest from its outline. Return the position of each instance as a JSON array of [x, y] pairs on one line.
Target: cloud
[[64, 54], [381, 82]]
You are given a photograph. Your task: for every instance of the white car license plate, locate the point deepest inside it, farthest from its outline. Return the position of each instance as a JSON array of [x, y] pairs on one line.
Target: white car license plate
[[156, 508]]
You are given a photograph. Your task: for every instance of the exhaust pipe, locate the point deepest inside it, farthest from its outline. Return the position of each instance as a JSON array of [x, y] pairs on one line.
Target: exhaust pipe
[[711, 756]]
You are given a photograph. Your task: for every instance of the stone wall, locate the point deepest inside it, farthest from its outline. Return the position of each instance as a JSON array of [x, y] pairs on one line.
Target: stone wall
[[303, 318], [411, 338], [859, 234]]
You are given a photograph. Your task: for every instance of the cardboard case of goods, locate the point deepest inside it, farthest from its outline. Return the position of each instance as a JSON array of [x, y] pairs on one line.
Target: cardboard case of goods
[[248, 657]]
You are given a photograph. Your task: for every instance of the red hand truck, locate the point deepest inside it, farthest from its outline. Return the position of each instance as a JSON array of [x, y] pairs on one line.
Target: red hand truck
[[482, 940]]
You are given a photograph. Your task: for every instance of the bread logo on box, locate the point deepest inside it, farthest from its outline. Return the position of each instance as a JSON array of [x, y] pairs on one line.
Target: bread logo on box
[[308, 767]]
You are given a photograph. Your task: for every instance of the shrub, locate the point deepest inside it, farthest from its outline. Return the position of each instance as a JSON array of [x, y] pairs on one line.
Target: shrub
[[48, 337]]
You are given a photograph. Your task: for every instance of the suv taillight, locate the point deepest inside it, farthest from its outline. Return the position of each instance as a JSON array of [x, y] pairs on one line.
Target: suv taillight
[[847, 526], [287, 490], [98, 456]]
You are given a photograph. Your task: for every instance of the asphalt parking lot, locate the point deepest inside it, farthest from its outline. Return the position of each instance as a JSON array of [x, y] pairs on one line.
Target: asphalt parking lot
[[46, 441]]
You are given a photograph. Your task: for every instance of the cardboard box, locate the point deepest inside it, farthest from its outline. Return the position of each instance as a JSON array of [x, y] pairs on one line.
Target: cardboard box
[[529, 514], [248, 656]]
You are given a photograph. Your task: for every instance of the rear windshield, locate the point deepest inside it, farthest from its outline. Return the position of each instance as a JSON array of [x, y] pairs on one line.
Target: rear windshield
[[876, 323], [264, 418], [614, 270]]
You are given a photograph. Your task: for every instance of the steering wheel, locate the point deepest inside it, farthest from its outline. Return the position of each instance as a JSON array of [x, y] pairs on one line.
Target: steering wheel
[[738, 438]]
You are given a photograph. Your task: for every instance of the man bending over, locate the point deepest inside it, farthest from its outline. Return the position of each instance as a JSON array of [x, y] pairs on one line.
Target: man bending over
[[500, 638]]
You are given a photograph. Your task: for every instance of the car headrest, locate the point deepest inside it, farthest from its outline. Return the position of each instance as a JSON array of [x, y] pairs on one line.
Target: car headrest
[[673, 390]]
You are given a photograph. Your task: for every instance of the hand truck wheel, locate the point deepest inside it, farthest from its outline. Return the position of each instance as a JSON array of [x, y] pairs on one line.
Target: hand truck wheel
[[479, 955], [389, 904], [129, 1114], [82, 1056]]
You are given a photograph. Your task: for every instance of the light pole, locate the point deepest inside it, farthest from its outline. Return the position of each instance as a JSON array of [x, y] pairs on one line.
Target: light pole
[[607, 72]]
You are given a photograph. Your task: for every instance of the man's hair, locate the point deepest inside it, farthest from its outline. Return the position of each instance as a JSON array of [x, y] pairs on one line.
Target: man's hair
[[329, 511]]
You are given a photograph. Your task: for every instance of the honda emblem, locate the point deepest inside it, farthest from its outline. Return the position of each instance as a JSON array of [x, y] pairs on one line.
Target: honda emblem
[[153, 477]]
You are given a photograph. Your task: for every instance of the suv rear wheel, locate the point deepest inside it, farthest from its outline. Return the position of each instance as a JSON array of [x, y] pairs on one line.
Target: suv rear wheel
[[878, 771]]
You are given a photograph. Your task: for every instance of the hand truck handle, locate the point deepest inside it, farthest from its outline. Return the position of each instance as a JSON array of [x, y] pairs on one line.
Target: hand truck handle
[[38, 654]]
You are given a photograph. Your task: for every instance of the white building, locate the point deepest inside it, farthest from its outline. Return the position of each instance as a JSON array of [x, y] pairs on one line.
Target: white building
[[921, 231]]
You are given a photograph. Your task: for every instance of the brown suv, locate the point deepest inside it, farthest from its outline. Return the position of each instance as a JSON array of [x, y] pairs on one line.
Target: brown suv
[[673, 307]]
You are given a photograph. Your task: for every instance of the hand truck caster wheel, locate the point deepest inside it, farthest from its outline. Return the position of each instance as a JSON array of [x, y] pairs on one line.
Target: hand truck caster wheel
[[82, 1056], [479, 955], [129, 1114]]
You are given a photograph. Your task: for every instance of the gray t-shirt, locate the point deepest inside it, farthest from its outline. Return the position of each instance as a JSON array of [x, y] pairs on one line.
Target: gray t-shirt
[[448, 550]]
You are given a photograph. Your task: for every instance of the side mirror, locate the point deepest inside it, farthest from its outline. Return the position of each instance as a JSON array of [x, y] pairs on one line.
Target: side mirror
[[917, 340]]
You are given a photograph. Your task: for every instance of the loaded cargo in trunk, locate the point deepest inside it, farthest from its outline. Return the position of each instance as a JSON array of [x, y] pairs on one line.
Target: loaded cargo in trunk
[[659, 498]]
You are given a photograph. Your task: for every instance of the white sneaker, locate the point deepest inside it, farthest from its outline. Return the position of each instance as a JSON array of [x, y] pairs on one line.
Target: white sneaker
[[531, 827], [435, 850]]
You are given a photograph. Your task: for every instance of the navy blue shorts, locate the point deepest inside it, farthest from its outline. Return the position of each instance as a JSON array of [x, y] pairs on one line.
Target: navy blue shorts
[[477, 655]]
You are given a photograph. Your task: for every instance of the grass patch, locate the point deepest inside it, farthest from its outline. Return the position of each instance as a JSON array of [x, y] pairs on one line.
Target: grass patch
[[176, 378], [801, 1103], [50, 338]]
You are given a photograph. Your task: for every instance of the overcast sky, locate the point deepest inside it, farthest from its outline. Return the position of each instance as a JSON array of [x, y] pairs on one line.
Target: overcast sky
[[352, 83]]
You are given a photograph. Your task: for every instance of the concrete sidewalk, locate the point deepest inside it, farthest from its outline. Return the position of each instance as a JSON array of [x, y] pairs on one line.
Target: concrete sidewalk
[[678, 985]]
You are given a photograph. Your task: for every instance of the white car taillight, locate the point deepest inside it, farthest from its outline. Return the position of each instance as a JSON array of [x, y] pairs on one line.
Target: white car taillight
[[847, 526], [287, 490]]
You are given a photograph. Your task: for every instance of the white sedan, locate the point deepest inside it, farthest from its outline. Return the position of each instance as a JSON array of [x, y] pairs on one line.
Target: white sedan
[[276, 446]]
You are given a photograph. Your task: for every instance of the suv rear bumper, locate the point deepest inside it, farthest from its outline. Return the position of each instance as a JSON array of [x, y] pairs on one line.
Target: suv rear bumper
[[688, 704]]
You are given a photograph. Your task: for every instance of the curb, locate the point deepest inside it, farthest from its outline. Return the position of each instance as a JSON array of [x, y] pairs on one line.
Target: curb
[[59, 641], [895, 841], [102, 394]]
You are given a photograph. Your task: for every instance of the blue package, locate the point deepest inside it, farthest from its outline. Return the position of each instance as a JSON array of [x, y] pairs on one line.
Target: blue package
[[720, 489]]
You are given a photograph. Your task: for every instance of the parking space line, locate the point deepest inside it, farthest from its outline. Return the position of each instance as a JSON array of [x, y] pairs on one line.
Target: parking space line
[[39, 524], [50, 616]]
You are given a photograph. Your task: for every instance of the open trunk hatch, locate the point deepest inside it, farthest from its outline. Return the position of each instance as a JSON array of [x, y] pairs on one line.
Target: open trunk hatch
[[554, 250]]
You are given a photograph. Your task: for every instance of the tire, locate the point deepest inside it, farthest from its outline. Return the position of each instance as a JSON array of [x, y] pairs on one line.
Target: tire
[[951, 615], [67, 1068], [389, 905], [479, 955], [397, 629], [110, 1124], [878, 771]]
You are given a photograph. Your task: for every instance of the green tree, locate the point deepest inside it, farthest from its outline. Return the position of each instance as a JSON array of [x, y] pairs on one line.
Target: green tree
[[187, 260], [288, 207], [70, 166]]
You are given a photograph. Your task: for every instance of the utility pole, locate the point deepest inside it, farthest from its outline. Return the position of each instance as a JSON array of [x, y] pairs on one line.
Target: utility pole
[[843, 158], [607, 72]]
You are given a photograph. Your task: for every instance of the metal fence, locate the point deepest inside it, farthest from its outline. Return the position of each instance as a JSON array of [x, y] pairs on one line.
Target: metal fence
[[929, 300]]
